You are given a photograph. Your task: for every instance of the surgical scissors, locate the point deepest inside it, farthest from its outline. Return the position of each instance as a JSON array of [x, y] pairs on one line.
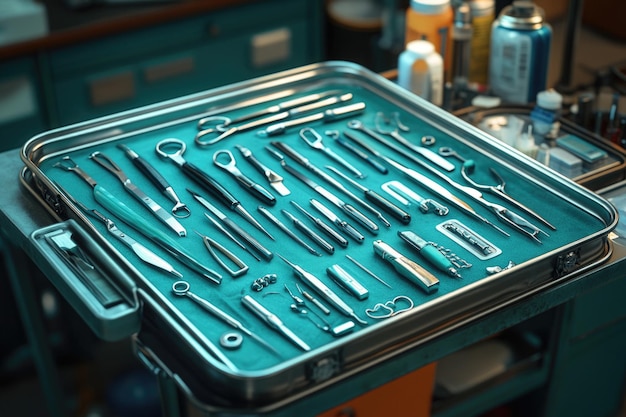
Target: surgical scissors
[[225, 160], [394, 132], [222, 125], [173, 149], [315, 141]]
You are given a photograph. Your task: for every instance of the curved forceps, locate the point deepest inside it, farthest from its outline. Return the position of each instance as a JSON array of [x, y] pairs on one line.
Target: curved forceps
[[173, 149], [225, 160], [394, 132], [498, 190]]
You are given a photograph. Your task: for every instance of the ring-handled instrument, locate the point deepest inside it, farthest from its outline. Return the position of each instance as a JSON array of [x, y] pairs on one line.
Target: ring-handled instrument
[[213, 247], [287, 230], [325, 116], [305, 162], [143, 253], [323, 291], [498, 189], [394, 131], [275, 180], [225, 160], [181, 289], [173, 149], [420, 179], [363, 155], [224, 129], [315, 141], [206, 122], [325, 228], [159, 212], [232, 225], [397, 212], [406, 267], [337, 221], [406, 196], [134, 220], [273, 321], [429, 252], [323, 243], [180, 209]]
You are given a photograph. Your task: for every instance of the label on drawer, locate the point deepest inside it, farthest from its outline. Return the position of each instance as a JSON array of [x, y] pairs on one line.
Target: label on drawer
[[17, 99]]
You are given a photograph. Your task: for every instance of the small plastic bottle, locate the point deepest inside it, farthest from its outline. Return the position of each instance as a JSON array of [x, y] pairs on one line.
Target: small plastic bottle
[[546, 112], [431, 20]]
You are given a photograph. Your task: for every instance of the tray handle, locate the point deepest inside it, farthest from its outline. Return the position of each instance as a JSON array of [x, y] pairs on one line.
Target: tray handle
[[88, 278]]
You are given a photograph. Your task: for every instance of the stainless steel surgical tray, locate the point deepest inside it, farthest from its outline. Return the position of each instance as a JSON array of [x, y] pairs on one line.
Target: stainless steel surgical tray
[[179, 336]]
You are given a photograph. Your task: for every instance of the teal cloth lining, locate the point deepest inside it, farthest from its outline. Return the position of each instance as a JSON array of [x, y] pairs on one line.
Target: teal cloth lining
[[572, 224]]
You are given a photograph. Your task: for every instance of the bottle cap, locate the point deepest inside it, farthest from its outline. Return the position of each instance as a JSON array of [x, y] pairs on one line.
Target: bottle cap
[[522, 15], [549, 99], [430, 6], [421, 47]]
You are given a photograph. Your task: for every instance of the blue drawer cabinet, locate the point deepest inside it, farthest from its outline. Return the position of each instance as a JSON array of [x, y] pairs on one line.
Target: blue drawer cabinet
[[22, 109], [154, 64]]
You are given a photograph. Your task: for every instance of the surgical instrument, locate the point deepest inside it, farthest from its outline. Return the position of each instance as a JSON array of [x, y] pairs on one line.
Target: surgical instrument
[[323, 290], [389, 308], [315, 141], [121, 210], [229, 235], [159, 212], [374, 197], [227, 130], [309, 232], [212, 245], [317, 303], [394, 133], [406, 267], [368, 271], [180, 209], [469, 239], [343, 225], [407, 196], [205, 180], [423, 181], [274, 179], [232, 225], [498, 190], [143, 253], [429, 252], [273, 321], [276, 108], [346, 281], [505, 215], [345, 207], [319, 223], [305, 162], [225, 160], [181, 289], [326, 116], [287, 230], [364, 156]]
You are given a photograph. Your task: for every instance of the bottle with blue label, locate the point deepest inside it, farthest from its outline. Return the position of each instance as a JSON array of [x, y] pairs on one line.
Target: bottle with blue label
[[520, 53]]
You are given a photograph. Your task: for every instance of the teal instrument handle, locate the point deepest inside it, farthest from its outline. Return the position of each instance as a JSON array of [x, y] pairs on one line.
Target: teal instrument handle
[[435, 257]]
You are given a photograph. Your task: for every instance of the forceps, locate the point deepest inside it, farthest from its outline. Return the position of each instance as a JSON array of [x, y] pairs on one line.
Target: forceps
[[394, 133], [181, 289], [225, 160], [498, 190], [173, 149], [315, 141]]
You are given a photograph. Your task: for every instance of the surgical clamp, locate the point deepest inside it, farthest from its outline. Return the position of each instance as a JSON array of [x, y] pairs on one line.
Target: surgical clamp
[[229, 131], [180, 209], [181, 289], [229, 164], [424, 152], [315, 141], [205, 180], [159, 212]]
